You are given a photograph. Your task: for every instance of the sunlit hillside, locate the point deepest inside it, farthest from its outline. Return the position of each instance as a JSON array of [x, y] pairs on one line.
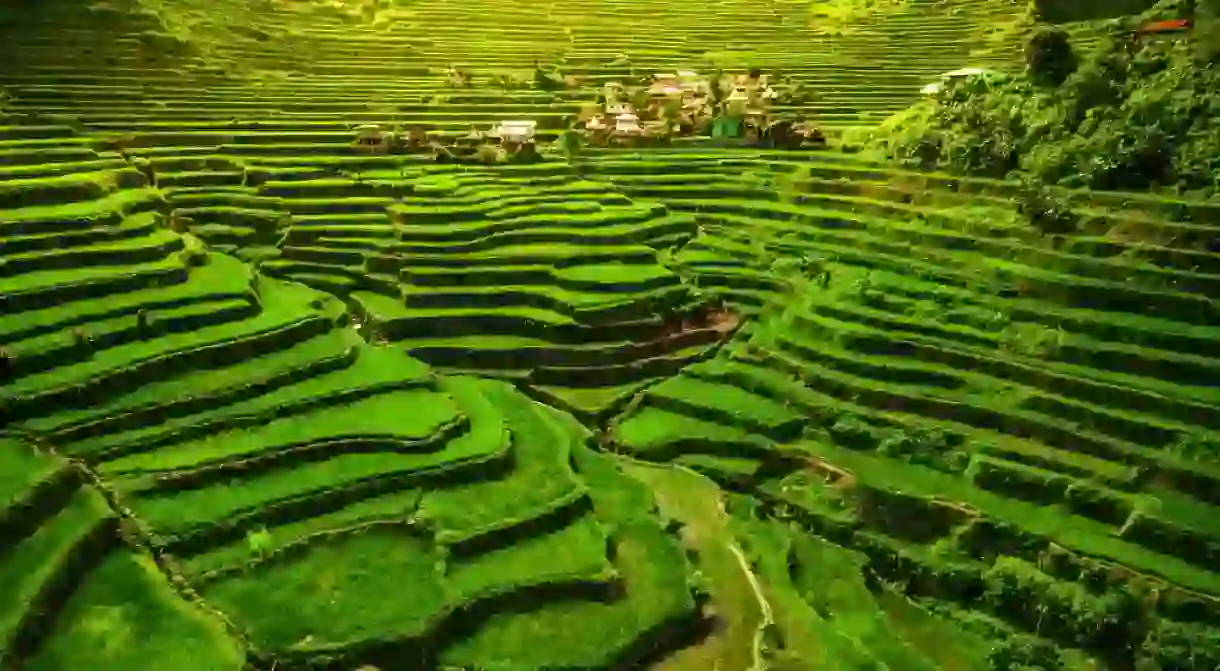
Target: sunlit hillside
[[276, 398]]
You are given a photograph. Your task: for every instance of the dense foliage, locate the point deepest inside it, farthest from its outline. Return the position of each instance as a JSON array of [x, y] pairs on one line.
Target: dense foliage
[[1137, 112], [1058, 11], [1049, 57]]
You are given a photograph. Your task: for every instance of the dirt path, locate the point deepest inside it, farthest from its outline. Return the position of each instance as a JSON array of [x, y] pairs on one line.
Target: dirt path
[[759, 663], [736, 596]]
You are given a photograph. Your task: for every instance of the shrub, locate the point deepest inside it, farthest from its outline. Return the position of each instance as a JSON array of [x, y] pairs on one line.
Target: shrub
[[1046, 212]]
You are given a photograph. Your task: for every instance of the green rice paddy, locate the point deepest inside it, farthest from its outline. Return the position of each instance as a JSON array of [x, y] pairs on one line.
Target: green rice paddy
[[268, 402]]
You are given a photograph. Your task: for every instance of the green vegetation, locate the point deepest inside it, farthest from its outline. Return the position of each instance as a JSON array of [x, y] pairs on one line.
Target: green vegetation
[[386, 576], [125, 616], [282, 387], [1134, 112]]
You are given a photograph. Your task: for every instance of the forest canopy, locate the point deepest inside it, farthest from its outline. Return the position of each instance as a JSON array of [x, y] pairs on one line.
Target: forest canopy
[[1138, 111]]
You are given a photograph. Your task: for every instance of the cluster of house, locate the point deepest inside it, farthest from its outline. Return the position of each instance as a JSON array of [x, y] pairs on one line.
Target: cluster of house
[[507, 140], [513, 136], [682, 103]]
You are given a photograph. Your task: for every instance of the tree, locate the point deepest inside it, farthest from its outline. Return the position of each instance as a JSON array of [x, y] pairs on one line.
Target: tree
[[1207, 30], [1049, 58]]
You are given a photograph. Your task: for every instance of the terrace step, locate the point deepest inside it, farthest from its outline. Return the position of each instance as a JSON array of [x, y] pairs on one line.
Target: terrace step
[[53, 287], [136, 226], [322, 255], [260, 375], [56, 351], [61, 169], [202, 178], [67, 188], [156, 246], [221, 279], [139, 362]]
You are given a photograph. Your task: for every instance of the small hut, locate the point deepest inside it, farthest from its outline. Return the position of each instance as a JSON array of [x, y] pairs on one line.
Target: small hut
[[627, 124], [516, 132]]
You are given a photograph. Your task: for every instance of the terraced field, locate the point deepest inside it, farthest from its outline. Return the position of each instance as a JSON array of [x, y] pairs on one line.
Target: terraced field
[[272, 403]]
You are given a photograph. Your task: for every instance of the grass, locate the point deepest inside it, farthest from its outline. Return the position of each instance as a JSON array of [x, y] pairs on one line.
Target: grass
[[308, 601], [124, 616], [21, 466], [38, 565]]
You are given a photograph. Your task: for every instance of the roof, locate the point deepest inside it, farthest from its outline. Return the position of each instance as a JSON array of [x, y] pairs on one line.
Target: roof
[[966, 72], [1166, 26]]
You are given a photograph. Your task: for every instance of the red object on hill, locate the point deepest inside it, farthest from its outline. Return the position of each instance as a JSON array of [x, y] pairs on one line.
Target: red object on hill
[[1166, 26]]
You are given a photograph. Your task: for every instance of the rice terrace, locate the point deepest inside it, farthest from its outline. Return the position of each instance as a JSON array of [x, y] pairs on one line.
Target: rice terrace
[[380, 335]]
